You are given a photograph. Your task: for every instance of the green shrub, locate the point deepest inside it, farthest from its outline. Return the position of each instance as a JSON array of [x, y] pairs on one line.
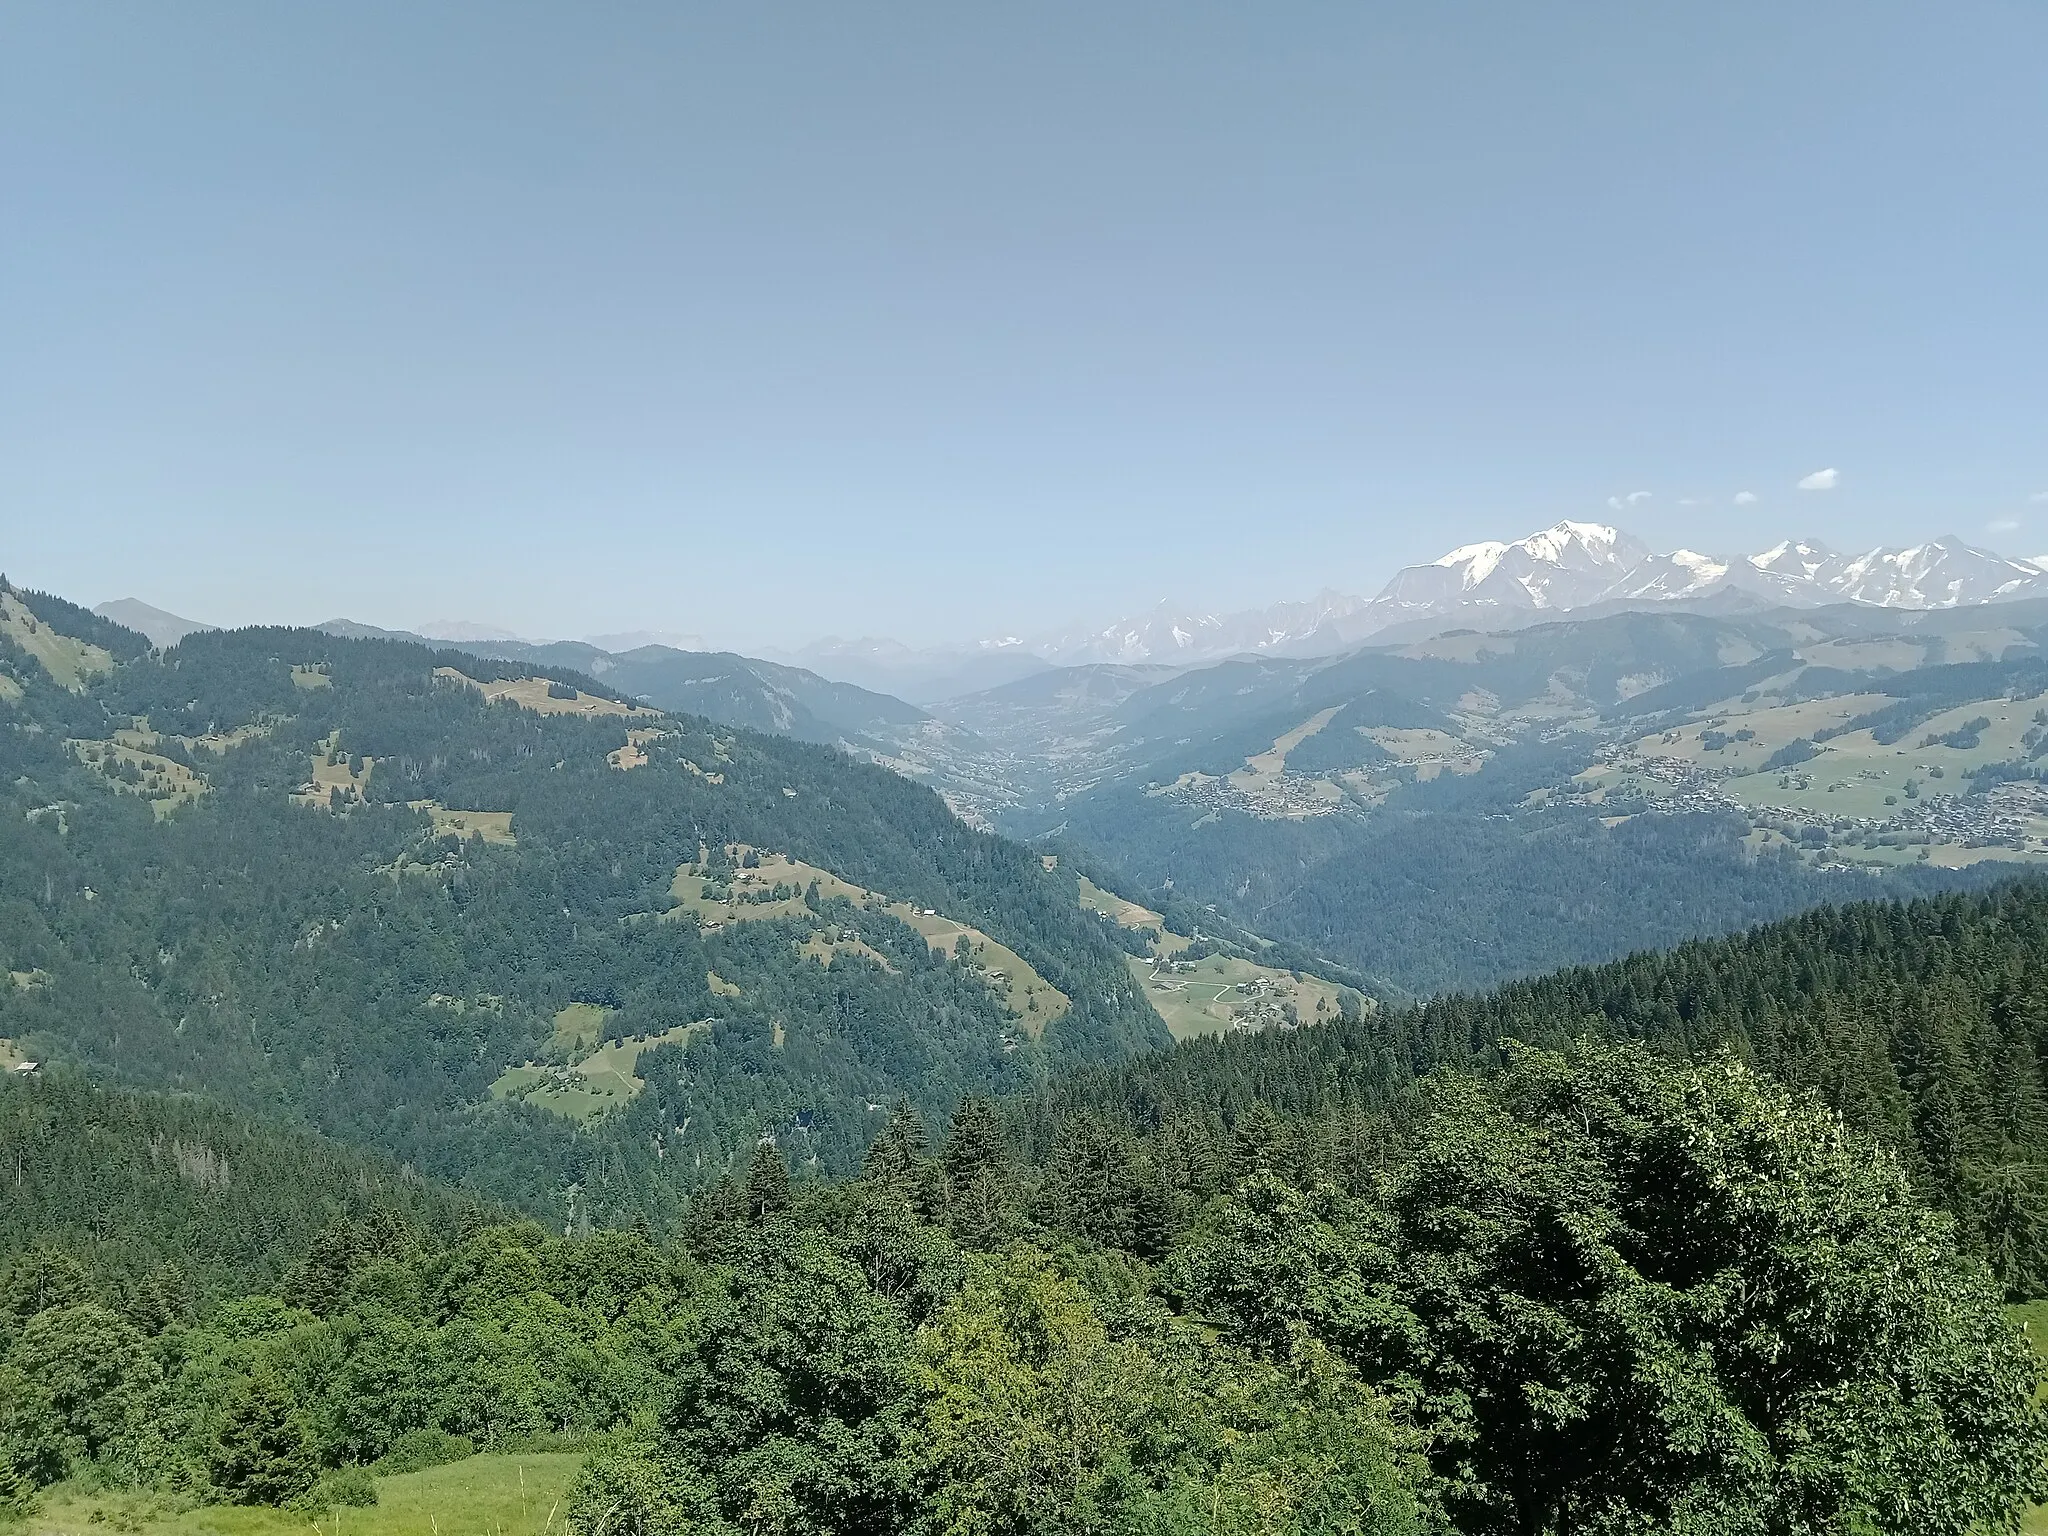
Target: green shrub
[[424, 1448], [349, 1487]]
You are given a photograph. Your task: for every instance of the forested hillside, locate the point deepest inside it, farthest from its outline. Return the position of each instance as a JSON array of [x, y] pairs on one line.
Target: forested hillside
[[1923, 1025], [368, 886], [1455, 888], [172, 1203], [1476, 807], [733, 690]]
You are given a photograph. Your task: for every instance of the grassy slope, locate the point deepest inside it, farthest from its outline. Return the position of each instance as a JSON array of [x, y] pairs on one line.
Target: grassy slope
[[507, 1495]]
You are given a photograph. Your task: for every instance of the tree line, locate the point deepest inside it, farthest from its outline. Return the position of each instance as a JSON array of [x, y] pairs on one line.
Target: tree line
[[1594, 1289]]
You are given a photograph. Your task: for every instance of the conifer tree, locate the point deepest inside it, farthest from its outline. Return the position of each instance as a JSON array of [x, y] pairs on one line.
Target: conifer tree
[[262, 1455], [899, 1163], [981, 1204], [767, 1182]]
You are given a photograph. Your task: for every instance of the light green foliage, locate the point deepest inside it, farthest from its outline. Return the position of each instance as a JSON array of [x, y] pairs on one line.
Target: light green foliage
[[347, 1487], [793, 1410], [632, 1495], [1031, 1411], [855, 1369], [418, 1353], [1049, 1409], [1266, 1451]]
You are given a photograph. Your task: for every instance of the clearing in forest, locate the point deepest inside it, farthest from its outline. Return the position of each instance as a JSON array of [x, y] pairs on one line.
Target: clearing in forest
[[164, 782], [335, 776], [634, 753], [588, 1077], [491, 826], [1220, 992], [1426, 751], [219, 743], [1128, 914], [1271, 763], [828, 942], [548, 698], [717, 893]]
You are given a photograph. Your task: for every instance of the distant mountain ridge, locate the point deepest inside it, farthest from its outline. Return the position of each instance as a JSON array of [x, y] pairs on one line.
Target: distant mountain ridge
[[1570, 568], [1567, 567], [719, 685], [162, 629]]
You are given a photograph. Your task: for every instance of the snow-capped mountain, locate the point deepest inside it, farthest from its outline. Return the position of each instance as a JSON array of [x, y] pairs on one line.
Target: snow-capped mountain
[[1570, 566], [1489, 585], [1946, 573]]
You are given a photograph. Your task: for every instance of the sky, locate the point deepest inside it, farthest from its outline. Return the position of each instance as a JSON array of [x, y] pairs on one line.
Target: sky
[[942, 321]]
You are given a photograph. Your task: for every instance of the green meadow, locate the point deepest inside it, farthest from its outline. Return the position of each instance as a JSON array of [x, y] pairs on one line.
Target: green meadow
[[490, 1495]]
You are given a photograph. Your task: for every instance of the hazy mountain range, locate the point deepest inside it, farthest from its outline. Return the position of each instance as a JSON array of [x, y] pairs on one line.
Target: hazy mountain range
[[1570, 568], [1573, 567]]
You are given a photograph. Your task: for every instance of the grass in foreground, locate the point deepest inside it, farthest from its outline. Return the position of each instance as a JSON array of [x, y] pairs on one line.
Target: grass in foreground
[[509, 1495]]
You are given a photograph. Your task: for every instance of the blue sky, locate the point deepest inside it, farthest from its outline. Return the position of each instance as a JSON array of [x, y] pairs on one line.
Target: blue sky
[[939, 320]]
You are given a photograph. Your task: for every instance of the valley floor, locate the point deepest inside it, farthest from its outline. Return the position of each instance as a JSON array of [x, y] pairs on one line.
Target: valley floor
[[508, 1495]]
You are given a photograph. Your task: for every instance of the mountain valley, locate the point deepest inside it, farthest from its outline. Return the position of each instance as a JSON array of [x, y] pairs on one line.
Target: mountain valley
[[436, 1064]]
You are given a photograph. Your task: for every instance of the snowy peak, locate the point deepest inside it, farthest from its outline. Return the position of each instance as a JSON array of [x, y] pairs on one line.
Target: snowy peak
[[1945, 573], [1562, 567], [1474, 561], [1802, 559], [1569, 566], [1489, 584]]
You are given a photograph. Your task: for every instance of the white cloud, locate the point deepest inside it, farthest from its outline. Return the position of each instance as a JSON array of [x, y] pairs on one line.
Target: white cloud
[[1745, 498], [1821, 480], [1688, 501], [2039, 498], [2002, 525], [1623, 503]]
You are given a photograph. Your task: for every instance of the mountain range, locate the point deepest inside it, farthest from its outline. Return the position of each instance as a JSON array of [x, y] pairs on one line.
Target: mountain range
[[1568, 568], [1571, 567]]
